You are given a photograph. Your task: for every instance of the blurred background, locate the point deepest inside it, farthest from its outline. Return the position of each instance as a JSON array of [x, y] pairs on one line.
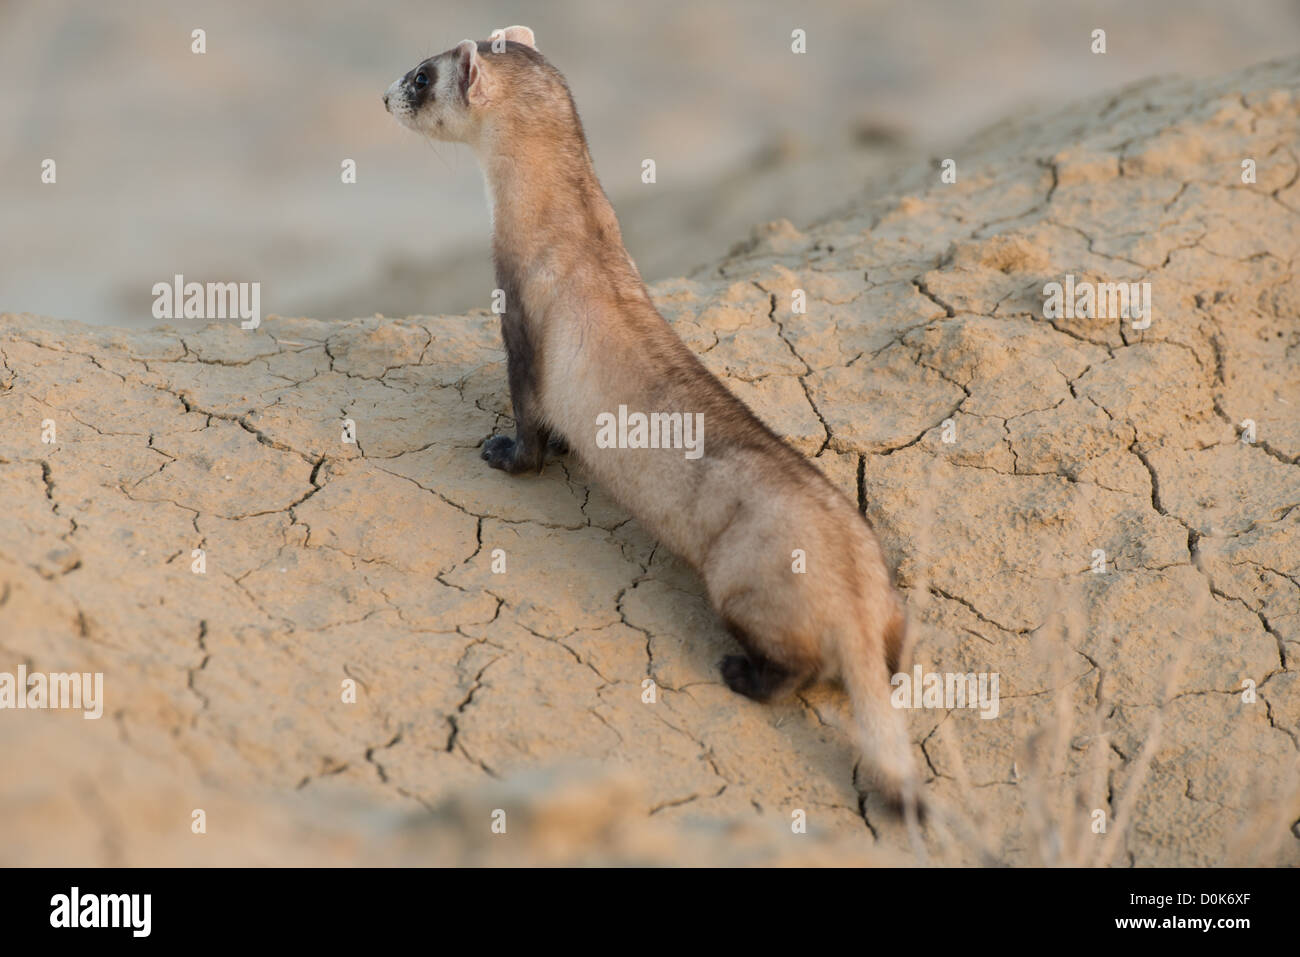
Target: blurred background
[[226, 166]]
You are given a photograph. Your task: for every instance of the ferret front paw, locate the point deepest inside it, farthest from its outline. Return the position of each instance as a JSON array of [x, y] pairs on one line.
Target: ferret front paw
[[502, 452]]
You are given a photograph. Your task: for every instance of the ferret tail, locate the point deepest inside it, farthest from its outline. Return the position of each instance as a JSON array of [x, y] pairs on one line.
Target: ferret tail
[[880, 728]]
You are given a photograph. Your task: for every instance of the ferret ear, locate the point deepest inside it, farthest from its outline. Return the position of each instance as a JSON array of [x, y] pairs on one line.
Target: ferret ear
[[521, 35], [474, 82]]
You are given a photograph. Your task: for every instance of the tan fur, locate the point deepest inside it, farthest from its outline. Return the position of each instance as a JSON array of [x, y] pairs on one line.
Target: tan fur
[[738, 513]]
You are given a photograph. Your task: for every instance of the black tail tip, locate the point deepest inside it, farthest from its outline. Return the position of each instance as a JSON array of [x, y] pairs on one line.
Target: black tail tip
[[902, 802]]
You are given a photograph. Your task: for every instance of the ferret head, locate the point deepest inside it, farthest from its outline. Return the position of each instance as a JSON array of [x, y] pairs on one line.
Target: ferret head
[[500, 82]]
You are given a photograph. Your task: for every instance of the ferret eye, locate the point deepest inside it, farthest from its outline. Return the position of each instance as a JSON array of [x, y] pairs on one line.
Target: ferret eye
[[421, 79]]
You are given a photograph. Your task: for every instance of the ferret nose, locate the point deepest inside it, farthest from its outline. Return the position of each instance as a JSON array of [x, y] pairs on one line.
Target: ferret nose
[[385, 101]]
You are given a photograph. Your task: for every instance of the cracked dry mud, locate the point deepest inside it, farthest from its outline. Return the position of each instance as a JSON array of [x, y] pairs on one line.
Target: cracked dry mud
[[1121, 692]]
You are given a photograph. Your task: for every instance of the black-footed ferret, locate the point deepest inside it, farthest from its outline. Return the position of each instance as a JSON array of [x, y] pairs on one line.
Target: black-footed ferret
[[584, 344]]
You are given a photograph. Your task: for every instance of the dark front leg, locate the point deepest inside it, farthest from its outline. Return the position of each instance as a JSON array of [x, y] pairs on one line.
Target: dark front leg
[[527, 450], [513, 455]]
